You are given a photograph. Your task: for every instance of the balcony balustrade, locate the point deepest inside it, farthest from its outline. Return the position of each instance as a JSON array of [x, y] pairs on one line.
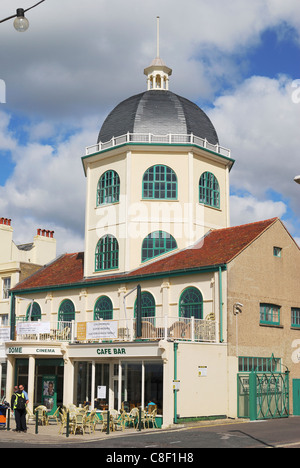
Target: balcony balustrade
[[124, 330], [149, 138]]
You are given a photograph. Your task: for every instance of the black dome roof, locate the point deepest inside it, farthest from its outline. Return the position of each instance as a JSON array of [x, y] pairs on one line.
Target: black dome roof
[[159, 113]]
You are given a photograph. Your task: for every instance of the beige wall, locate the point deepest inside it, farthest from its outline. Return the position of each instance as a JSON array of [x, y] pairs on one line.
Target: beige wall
[[207, 395], [133, 218], [257, 276], [166, 292]]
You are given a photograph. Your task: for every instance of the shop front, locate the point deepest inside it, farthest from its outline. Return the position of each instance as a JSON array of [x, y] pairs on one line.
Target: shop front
[[119, 376], [104, 376], [41, 370]]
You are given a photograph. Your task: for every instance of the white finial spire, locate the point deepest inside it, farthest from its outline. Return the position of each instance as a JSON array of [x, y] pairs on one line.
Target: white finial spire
[[157, 54], [158, 73]]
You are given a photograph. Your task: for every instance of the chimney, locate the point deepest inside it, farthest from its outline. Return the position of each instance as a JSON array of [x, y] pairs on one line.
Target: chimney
[[6, 238], [45, 247], [5, 221], [45, 233]]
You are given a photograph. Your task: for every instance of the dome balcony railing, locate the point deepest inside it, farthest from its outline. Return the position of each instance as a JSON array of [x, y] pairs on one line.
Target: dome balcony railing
[[149, 138]]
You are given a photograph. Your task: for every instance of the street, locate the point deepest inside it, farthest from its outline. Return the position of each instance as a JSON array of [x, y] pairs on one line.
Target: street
[[176, 444]]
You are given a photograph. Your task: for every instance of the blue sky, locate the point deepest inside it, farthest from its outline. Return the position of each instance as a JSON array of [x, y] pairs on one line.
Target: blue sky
[[276, 54], [236, 59]]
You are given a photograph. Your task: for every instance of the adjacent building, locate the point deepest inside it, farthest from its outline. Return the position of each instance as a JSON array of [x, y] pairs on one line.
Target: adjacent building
[[17, 262]]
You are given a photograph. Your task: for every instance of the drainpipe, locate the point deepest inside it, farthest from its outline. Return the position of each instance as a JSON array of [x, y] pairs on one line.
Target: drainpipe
[[12, 316], [221, 304], [175, 378]]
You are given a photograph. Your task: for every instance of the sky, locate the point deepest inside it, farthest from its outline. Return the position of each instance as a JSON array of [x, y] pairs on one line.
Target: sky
[[239, 60]]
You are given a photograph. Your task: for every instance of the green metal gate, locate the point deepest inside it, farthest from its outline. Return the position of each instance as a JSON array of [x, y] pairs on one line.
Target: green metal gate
[[263, 395]]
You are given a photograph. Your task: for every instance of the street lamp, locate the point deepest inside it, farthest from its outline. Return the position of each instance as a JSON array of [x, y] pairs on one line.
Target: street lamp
[[297, 179], [21, 23]]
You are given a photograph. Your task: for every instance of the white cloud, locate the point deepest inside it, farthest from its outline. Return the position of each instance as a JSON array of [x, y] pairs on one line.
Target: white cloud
[[79, 59], [47, 190], [260, 123], [297, 239], [249, 209], [82, 58], [7, 142]]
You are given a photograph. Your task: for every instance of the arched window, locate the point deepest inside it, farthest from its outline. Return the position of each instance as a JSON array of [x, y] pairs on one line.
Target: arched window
[[107, 253], [157, 243], [160, 182], [66, 312], [33, 312], [108, 190], [191, 303], [103, 309], [148, 305], [209, 191]]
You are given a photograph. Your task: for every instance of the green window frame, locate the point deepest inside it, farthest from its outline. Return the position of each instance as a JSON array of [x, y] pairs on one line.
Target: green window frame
[[36, 313], [209, 190], [191, 303], [108, 189], [103, 309], [107, 253], [159, 183], [269, 314], [259, 364], [148, 305], [157, 243], [277, 252], [295, 317], [66, 312]]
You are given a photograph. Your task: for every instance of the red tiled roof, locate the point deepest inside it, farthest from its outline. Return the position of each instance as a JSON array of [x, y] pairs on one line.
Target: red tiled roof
[[218, 247], [67, 269]]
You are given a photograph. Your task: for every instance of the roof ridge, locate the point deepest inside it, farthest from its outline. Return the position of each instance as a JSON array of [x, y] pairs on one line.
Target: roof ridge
[[263, 221]]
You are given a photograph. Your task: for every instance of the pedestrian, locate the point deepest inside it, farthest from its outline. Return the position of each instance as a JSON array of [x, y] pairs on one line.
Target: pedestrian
[[20, 403], [12, 400]]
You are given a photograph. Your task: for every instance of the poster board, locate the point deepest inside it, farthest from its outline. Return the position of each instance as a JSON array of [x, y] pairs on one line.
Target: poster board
[[49, 393]]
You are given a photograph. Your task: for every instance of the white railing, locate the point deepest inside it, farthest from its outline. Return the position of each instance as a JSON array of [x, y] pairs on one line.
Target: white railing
[[45, 331], [152, 329], [163, 139]]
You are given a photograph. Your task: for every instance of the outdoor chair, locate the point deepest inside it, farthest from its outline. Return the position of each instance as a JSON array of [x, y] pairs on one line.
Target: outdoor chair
[[78, 423], [144, 418], [152, 418], [54, 416], [91, 421], [42, 415], [29, 415], [63, 420], [123, 420], [105, 422], [133, 417]]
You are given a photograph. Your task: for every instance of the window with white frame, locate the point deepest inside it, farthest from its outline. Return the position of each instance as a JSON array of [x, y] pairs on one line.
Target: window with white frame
[[6, 282]]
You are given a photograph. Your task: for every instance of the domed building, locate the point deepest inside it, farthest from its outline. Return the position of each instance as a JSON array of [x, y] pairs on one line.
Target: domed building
[[158, 178], [151, 310]]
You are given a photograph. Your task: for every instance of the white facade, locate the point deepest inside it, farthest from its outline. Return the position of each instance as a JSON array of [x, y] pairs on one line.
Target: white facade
[[132, 218]]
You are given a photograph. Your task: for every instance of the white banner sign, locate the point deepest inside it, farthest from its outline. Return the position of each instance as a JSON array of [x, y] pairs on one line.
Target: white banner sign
[[101, 330], [33, 328], [4, 334]]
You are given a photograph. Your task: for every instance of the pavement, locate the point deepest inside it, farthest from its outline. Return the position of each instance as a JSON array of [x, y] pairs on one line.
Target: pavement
[[49, 435]]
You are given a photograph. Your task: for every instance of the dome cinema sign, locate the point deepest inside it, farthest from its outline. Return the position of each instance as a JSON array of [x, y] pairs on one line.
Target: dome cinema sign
[[33, 350]]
